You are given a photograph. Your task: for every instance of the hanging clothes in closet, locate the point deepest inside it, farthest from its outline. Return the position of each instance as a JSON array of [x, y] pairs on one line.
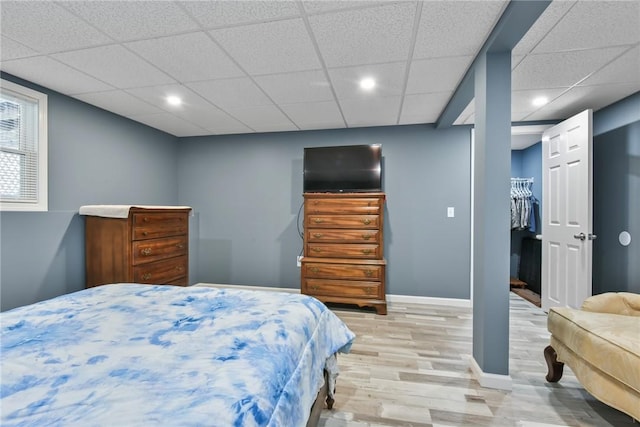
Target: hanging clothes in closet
[[522, 201]]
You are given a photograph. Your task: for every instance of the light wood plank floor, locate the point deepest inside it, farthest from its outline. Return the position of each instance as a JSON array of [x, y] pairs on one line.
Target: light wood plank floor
[[411, 368]]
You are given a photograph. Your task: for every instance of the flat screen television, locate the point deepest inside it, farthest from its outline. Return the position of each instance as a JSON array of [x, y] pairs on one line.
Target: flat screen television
[[348, 168]]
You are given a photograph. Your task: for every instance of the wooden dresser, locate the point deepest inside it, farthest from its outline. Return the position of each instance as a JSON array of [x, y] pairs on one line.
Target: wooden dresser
[[343, 249], [150, 245]]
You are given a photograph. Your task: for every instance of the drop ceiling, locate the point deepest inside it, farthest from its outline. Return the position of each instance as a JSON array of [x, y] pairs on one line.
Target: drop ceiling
[[265, 66]]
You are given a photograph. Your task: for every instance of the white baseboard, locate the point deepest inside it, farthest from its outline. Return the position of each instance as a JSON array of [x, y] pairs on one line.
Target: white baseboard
[[410, 299], [407, 299], [500, 382]]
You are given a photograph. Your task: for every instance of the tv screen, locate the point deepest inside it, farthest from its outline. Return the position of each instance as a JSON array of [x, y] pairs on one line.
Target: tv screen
[[348, 168]]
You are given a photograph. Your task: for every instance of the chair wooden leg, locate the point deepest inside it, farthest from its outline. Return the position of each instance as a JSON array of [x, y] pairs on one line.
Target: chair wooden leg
[[554, 367]]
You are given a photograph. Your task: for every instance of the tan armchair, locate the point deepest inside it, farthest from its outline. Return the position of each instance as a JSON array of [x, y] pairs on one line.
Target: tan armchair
[[601, 344]]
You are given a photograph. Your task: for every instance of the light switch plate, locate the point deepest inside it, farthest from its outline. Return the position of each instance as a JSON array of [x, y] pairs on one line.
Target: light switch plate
[[450, 212]]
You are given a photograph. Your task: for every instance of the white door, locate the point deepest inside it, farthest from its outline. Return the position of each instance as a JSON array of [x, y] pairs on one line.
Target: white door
[[567, 216]]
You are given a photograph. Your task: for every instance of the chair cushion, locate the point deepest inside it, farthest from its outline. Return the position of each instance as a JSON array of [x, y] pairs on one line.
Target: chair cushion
[[609, 342]]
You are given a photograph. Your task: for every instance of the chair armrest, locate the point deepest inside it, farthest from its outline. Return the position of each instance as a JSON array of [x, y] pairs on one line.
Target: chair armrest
[[624, 303]]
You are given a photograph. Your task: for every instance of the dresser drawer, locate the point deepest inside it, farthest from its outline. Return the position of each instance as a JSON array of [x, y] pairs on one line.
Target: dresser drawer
[[343, 271], [342, 288], [343, 250], [343, 205], [343, 221], [343, 236], [160, 272], [156, 249], [154, 225]]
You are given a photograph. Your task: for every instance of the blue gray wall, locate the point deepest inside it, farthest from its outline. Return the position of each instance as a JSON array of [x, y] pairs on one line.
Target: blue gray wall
[[247, 191], [95, 157], [616, 208]]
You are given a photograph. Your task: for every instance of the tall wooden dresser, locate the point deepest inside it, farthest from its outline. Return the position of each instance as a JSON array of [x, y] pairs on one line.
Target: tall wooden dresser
[[343, 249], [136, 244]]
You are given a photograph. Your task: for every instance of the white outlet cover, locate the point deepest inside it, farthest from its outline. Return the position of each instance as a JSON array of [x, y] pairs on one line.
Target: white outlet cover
[[450, 212]]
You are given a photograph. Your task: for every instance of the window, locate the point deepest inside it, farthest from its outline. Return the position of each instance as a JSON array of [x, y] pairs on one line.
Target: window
[[23, 148]]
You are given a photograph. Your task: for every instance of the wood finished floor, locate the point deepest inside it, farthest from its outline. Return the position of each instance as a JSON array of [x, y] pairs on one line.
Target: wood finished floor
[[411, 368]]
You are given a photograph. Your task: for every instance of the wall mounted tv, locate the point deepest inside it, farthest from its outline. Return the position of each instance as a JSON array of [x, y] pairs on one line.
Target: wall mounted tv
[[348, 168]]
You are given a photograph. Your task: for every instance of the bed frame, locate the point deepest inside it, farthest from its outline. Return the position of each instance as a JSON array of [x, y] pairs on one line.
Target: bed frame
[[318, 404]]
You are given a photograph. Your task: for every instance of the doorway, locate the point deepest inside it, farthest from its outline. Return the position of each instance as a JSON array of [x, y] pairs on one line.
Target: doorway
[[526, 230]]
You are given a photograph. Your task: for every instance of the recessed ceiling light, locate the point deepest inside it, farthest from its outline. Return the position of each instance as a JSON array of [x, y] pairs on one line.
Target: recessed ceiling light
[[174, 100], [367, 83], [540, 101]]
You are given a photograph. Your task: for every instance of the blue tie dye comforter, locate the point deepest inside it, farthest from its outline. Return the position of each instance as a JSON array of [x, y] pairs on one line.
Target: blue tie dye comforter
[[140, 355]]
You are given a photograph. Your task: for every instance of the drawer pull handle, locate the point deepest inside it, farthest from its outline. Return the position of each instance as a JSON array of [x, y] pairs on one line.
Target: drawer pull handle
[[317, 235], [314, 288], [314, 269], [179, 268], [366, 236], [145, 233], [146, 251], [366, 221], [317, 220], [180, 246], [146, 219], [368, 273], [316, 249], [366, 251], [146, 276], [368, 290]]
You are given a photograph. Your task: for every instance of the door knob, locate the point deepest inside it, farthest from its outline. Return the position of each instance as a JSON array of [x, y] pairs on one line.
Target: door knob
[[580, 236], [592, 236]]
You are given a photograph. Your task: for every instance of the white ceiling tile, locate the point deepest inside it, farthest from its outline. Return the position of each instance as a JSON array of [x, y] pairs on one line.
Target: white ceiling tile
[[521, 100], [624, 69], [450, 28], [115, 65], [171, 124], [157, 95], [38, 25], [389, 80], [215, 120], [367, 36], [424, 107], [563, 69], [303, 86], [14, 50], [213, 14], [315, 115], [315, 6], [587, 23], [264, 118], [193, 109], [120, 101], [438, 74], [133, 20], [187, 57], [581, 98], [549, 18], [231, 93], [54, 75], [272, 47], [371, 112]]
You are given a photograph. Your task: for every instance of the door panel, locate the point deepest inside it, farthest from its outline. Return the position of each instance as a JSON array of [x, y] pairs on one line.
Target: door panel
[[567, 187]]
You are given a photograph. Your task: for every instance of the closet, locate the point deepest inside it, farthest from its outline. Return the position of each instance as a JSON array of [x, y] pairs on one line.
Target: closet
[[525, 242]]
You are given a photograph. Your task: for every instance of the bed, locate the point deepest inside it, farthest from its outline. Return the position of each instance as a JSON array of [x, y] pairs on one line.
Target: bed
[[133, 354]]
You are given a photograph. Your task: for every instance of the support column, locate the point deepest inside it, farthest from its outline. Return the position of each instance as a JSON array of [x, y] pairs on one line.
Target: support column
[[491, 210]]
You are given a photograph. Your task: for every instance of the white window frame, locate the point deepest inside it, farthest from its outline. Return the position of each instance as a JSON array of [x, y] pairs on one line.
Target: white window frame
[[41, 204]]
